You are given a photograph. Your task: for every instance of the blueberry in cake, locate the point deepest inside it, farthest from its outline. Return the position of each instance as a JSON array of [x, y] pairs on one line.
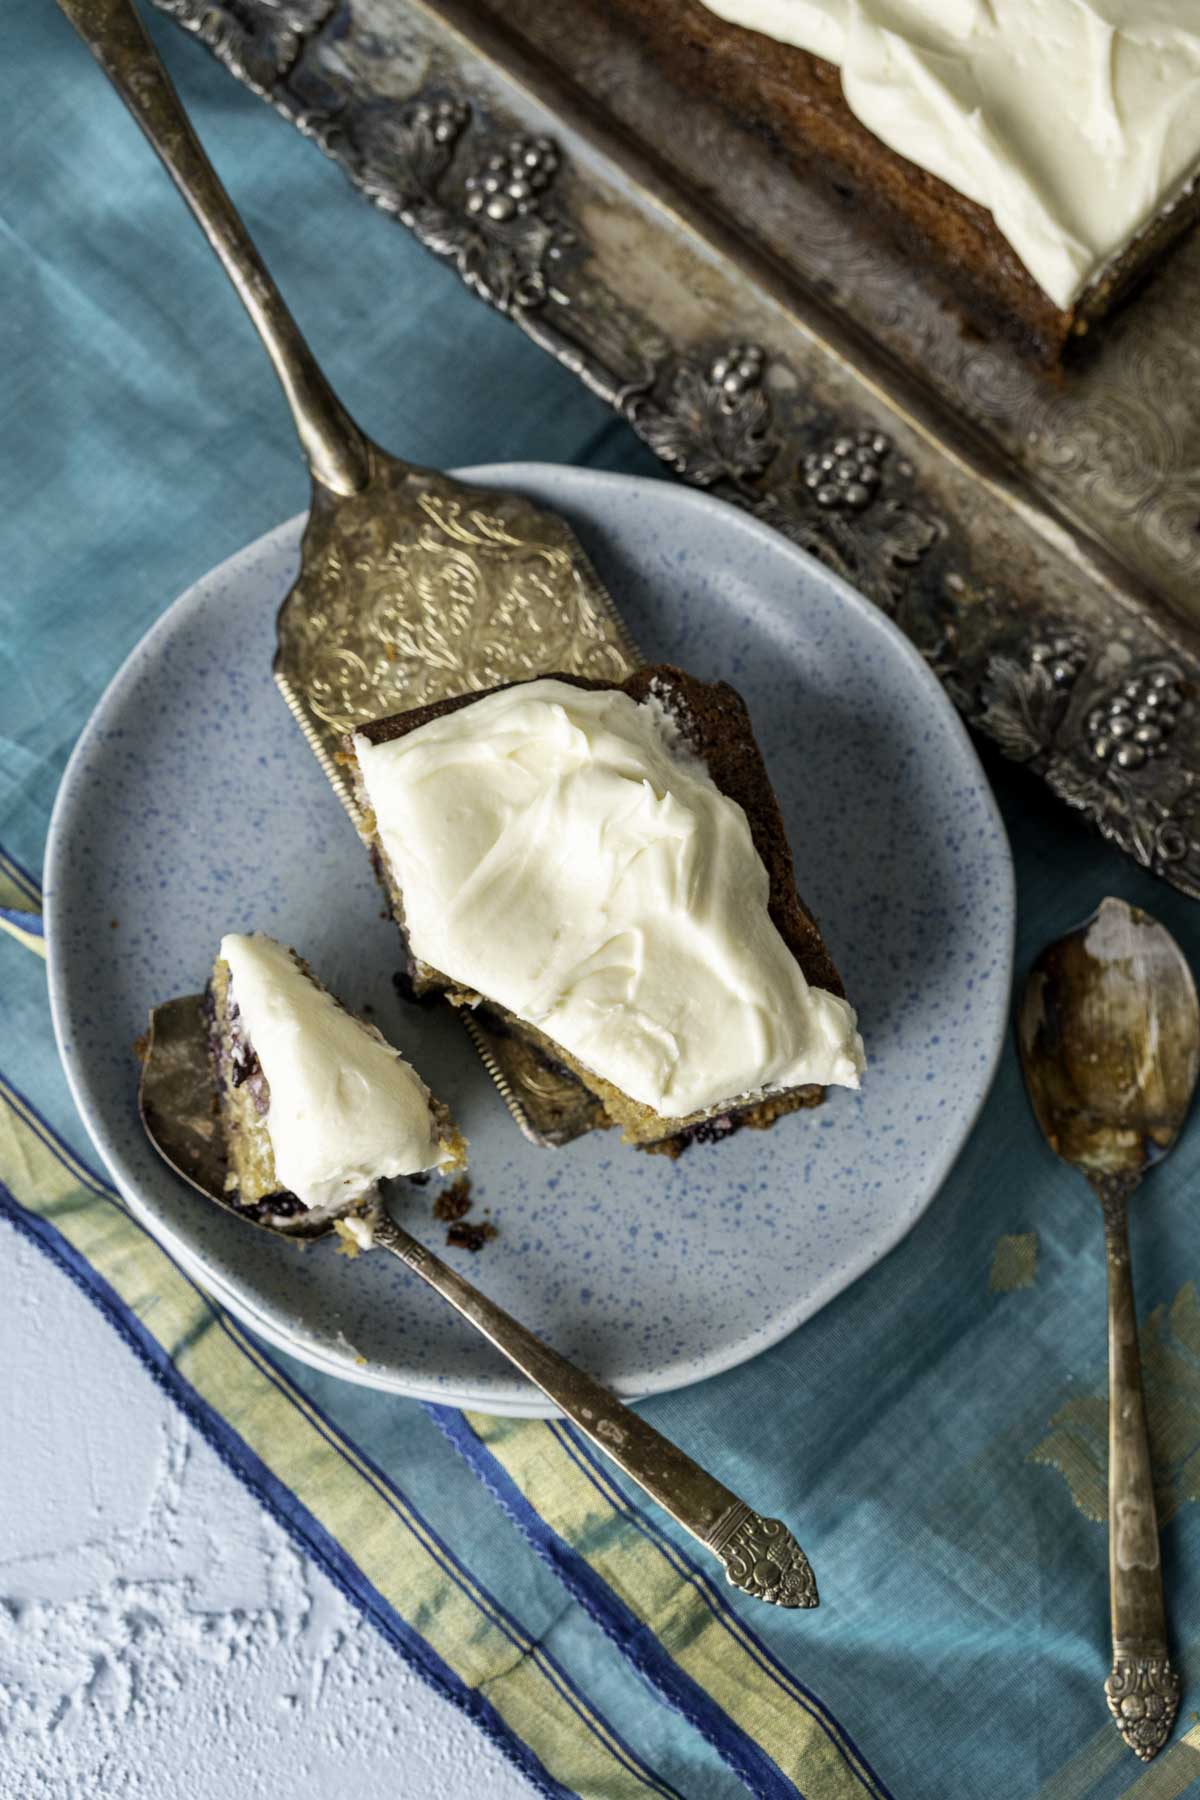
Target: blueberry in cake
[[316, 1106], [603, 870]]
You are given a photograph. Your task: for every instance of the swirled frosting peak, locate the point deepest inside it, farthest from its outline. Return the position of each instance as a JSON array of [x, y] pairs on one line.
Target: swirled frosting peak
[[558, 851], [1074, 122]]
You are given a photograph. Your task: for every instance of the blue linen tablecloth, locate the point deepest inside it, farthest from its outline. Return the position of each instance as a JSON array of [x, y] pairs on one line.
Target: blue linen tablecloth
[[939, 1429]]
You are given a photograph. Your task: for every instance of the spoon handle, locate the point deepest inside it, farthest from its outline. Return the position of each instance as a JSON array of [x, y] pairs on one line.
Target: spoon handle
[[114, 33], [1143, 1689], [759, 1555]]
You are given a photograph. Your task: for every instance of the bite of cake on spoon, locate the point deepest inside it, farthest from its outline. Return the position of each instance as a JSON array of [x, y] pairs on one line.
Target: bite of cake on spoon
[[316, 1106]]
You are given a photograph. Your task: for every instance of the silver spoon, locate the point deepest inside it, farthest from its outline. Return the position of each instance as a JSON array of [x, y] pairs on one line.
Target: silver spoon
[[1109, 1035], [759, 1555], [412, 586]]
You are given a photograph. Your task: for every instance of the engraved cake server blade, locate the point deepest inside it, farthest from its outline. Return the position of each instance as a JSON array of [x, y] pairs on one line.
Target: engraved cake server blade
[[1109, 1035], [759, 1555], [412, 586]]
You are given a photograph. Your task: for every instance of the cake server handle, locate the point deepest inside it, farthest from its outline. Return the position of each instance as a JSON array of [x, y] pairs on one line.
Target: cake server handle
[[759, 1555], [112, 30]]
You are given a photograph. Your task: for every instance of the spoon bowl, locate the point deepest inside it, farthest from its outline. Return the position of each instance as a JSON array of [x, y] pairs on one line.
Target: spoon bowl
[[1109, 1035]]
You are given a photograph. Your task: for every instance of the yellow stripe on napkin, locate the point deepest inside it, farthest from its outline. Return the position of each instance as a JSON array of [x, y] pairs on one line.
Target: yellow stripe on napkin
[[32, 940], [20, 907], [17, 889]]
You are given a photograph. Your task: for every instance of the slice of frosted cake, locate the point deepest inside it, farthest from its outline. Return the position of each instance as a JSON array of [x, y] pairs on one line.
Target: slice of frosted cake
[[603, 870], [316, 1106]]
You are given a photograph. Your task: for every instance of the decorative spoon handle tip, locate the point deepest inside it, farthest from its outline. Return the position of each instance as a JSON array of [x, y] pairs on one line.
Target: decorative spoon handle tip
[[1143, 1697], [763, 1558]]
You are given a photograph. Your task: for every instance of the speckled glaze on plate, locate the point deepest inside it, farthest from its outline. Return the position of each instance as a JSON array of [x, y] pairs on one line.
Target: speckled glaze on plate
[[192, 806]]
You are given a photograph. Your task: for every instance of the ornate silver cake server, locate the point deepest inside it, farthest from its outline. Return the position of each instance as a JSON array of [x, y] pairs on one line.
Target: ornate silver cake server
[[412, 586], [1109, 1034], [759, 1555]]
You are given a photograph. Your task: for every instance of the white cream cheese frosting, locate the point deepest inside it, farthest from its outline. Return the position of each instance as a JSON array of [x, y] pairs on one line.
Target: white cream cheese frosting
[[558, 851], [1074, 122], [346, 1109]]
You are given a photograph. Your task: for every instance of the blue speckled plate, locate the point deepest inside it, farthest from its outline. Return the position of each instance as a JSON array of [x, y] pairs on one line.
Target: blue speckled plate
[[192, 806]]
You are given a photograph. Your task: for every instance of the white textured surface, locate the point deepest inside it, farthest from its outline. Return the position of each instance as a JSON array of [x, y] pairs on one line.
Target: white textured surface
[[160, 1638]]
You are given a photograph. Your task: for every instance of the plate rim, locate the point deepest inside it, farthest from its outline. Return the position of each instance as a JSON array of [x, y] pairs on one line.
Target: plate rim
[[530, 1404]]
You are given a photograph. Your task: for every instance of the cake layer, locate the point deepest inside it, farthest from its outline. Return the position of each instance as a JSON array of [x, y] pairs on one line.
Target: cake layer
[[561, 850]]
